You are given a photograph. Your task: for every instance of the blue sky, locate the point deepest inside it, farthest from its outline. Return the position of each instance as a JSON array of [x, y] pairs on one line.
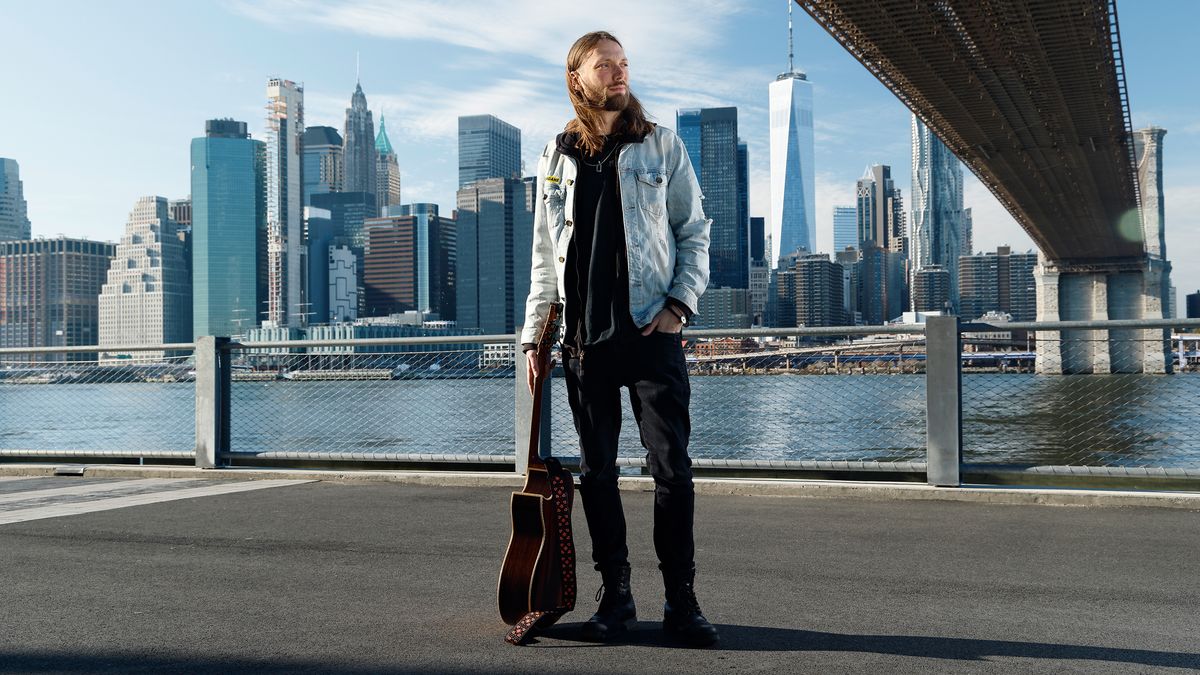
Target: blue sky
[[100, 100]]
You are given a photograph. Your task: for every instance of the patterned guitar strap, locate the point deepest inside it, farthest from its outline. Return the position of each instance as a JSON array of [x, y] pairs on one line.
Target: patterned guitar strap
[[524, 629]]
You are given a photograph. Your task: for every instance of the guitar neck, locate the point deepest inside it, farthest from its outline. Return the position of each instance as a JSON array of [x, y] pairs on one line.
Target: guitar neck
[[535, 423]]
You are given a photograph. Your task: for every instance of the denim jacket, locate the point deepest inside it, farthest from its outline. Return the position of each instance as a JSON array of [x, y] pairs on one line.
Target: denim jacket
[[666, 233]]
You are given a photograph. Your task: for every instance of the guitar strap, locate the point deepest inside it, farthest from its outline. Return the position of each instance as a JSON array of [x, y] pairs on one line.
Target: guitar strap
[[523, 629]]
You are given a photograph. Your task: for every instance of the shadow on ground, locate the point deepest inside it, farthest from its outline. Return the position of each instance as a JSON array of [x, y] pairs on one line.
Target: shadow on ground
[[737, 638]]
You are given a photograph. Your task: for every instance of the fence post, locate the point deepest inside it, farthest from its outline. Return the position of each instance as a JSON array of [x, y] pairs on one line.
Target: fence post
[[943, 400], [212, 400], [524, 414]]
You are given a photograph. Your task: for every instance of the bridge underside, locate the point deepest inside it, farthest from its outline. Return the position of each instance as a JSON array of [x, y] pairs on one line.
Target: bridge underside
[[1030, 94]]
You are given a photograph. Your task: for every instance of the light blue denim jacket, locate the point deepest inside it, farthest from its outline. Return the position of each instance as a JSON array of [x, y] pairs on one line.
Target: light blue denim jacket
[[666, 233]]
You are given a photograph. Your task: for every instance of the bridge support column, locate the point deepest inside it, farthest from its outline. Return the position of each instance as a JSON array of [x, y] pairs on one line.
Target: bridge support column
[[1125, 290]]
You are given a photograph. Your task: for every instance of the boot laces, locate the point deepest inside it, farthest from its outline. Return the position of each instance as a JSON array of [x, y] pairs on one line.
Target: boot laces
[[685, 599]]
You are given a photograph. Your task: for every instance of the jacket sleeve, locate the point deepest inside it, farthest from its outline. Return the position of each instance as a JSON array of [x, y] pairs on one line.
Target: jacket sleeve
[[685, 213], [543, 278]]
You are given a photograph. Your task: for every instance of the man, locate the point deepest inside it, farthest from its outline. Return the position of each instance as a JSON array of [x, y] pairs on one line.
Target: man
[[620, 237]]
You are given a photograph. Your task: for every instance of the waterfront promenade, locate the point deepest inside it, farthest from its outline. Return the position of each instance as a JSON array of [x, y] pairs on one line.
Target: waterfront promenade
[[367, 576]]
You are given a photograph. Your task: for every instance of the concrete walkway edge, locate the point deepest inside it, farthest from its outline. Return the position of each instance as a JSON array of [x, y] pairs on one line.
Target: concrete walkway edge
[[705, 486]]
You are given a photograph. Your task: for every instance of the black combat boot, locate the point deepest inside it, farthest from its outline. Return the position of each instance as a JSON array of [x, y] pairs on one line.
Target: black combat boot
[[616, 613], [682, 619]]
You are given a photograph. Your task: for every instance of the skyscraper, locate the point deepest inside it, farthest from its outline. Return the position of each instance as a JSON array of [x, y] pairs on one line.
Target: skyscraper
[[49, 290], [937, 206], [14, 217], [324, 168], [387, 172], [358, 150], [845, 228], [793, 191], [229, 220], [147, 298], [494, 243], [488, 147], [711, 138], [410, 263], [883, 275], [285, 215]]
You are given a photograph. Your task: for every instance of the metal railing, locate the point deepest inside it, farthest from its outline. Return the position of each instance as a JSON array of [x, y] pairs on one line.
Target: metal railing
[[942, 399]]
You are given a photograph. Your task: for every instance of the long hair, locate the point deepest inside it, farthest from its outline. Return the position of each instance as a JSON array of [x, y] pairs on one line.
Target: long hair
[[587, 116]]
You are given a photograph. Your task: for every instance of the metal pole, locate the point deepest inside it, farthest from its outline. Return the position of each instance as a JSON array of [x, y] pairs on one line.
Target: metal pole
[[212, 400], [524, 414], [943, 400]]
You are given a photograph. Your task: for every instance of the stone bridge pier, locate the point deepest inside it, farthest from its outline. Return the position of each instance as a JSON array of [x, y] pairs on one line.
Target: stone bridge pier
[[1102, 292]]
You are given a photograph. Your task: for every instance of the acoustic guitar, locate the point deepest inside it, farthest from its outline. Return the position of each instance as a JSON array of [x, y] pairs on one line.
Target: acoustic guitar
[[537, 579]]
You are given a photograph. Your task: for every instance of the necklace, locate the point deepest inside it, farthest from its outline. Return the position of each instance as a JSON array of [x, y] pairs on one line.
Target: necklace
[[600, 165]]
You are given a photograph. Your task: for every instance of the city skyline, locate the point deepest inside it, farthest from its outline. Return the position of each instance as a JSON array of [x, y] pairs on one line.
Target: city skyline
[[484, 70]]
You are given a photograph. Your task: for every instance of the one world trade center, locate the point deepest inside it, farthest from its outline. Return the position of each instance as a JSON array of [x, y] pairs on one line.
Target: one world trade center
[[793, 196]]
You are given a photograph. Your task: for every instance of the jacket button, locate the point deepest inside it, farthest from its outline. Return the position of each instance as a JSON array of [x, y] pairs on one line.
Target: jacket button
[[569, 223], [658, 179], [545, 197], [562, 259], [570, 182]]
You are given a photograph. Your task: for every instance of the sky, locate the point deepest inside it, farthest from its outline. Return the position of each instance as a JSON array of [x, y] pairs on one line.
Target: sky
[[99, 101]]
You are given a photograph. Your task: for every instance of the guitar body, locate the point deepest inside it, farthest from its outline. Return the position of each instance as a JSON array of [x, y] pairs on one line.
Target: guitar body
[[537, 578], [531, 576]]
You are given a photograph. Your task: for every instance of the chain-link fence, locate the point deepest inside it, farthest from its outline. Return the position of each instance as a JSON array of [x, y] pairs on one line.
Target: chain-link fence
[[818, 402], [760, 399], [139, 405], [431, 401], [1019, 409]]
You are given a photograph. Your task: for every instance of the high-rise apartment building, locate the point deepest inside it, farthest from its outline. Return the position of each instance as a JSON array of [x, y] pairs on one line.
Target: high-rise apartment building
[[14, 216], [229, 228], [1000, 281], [147, 298], [488, 147], [49, 290], [358, 151], [409, 264], [387, 172], [809, 291], [938, 219], [285, 203], [1193, 305], [324, 168], [494, 249], [931, 289], [711, 138], [793, 184]]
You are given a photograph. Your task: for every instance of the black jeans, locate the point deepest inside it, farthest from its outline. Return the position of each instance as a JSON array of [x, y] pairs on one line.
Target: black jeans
[[654, 371]]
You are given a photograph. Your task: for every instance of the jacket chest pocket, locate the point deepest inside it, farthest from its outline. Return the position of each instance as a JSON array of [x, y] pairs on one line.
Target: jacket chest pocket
[[652, 191], [555, 198]]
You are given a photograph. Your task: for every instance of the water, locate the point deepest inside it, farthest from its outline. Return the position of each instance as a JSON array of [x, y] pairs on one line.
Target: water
[[1095, 420]]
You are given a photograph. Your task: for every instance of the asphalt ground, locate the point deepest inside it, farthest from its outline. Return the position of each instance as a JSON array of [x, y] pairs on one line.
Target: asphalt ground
[[358, 577]]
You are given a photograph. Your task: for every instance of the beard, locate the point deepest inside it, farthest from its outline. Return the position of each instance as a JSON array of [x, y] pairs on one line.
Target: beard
[[602, 100]]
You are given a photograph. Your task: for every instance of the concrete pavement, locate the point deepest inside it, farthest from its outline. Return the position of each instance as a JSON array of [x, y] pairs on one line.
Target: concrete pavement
[[366, 577]]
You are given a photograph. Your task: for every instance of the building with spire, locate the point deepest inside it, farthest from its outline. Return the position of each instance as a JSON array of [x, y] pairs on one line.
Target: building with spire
[[938, 218], [387, 171], [793, 185], [147, 297], [358, 148], [14, 218], [286, 255]]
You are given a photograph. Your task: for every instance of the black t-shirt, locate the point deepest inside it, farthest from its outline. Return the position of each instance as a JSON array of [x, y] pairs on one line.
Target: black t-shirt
[[597, 272]]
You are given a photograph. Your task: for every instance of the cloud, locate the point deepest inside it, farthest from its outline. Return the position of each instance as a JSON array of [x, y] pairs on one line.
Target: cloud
[[993, 225]]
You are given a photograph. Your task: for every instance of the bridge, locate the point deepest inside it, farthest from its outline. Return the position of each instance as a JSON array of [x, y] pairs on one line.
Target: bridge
[[1031, 96]]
